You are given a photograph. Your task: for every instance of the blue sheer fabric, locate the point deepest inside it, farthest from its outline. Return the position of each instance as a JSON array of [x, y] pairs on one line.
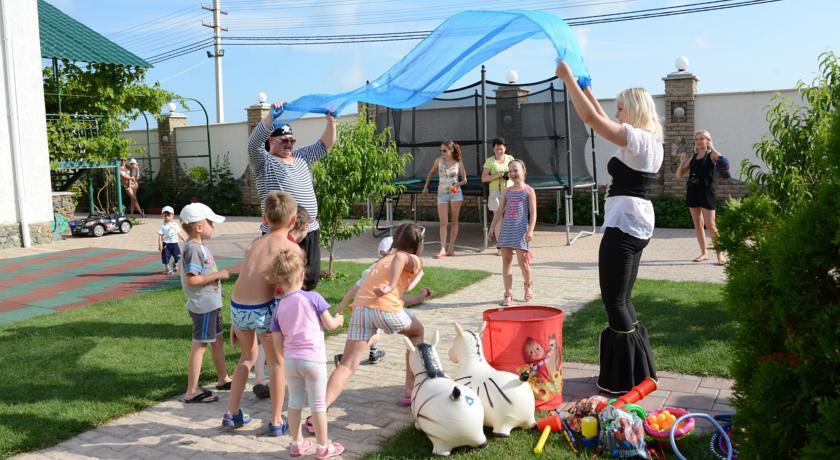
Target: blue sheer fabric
[[457, 46]]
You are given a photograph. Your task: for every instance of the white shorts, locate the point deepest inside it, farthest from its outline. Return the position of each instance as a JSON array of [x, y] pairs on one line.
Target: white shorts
[[493, 200]]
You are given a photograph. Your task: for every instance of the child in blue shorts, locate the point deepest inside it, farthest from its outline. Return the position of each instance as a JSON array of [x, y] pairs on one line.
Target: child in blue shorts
[[201, 282], [168, 236]]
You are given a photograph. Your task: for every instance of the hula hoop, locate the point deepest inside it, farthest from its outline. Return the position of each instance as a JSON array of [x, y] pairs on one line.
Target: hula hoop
[[708, 417]]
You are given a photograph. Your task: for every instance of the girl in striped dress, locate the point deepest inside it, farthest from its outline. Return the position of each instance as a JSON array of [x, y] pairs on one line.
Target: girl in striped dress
[[517, 217]]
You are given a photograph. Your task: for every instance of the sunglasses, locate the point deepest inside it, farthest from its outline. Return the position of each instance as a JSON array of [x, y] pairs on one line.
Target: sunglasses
[[285, 140]]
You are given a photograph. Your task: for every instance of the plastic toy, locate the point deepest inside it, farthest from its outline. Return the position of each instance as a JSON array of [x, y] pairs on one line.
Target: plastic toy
[[660, 422], [98, 224], [450, 414], [589, 431], [507, 398], [543, 438], [717, 443], [621, 433], [730, 451]]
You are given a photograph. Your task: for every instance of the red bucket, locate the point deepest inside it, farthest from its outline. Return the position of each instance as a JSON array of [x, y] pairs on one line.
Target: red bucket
[[528, 339]]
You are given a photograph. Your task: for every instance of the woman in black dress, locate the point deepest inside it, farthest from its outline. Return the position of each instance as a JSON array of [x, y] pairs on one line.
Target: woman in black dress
[[700, 190], [624, 351]]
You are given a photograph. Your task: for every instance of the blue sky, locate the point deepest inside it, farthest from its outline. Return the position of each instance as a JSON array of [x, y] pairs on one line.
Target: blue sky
[[769, 46]]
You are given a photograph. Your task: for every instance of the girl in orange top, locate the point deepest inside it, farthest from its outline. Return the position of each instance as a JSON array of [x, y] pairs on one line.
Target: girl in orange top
[[378, 304]]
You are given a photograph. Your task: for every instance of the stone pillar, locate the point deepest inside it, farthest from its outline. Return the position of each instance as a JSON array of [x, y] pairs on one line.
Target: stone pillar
[[509, 102], [680, 93], [170, 167], [250, 198]]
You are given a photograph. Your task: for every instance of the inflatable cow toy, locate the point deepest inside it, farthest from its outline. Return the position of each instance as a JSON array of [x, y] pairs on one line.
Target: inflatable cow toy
[[450, 414], [507, 399]]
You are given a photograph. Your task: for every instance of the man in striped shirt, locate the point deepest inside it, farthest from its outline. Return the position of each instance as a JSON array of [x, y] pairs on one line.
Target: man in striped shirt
[[277, 165]]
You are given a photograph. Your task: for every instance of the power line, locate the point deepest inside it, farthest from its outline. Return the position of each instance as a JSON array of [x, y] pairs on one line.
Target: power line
[[649, 13]]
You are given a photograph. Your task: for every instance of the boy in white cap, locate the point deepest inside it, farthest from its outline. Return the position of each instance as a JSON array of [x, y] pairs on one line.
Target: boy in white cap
[[168, 236], [201, 282]]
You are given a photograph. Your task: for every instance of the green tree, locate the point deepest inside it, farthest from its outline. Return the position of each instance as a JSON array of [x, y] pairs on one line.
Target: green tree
[[784, 279], [109, 96], [362, 164]]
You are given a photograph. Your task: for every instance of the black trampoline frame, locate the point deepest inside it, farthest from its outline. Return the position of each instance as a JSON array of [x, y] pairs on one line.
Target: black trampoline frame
[[567, 189]]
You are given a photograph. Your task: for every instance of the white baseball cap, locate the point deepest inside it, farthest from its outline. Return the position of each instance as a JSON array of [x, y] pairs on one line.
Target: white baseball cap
[[195, 212], [167, 209], [132, 161], [385, 245]]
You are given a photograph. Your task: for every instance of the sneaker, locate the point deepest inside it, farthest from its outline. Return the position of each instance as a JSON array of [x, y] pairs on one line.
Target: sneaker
[[235, 421], [262, 391], [334, 449], [274, 430], [167, 271], [375, 356]]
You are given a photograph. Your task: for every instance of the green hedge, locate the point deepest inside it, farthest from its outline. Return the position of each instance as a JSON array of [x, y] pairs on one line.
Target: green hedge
[[784, 280]]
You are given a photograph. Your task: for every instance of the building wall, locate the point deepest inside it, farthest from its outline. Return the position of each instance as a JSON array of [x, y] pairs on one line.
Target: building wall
[[22, 17], [225, 138]]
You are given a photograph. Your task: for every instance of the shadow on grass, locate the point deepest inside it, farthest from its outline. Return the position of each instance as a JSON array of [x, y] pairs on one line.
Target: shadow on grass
[[687, 323]]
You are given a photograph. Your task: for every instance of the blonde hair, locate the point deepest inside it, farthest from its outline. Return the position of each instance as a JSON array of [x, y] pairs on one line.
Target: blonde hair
[[705, 134], [522, 164], [279, 208], [302, 221], [286, 268], [641, 111]]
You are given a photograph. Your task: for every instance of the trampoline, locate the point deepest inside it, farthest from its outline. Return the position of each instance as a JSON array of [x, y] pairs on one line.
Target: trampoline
[[538, 126]]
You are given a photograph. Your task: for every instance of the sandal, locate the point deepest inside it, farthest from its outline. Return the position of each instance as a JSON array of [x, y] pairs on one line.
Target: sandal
[[310, 427], [262, 391], [302, 448], [507, 299], [529, 292], [334, 449], [405, 400], [439, 255], [205, 396], [224, 386]]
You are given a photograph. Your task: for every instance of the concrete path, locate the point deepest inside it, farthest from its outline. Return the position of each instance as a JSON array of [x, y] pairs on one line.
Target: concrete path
[[367, 412]]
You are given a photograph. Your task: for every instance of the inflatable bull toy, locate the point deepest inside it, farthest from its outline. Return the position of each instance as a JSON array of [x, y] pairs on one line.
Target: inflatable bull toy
[[450, 414], [507, 398]]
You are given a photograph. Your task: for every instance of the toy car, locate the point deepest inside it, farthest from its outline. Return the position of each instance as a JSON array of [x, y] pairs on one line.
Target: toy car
[[99, 224]]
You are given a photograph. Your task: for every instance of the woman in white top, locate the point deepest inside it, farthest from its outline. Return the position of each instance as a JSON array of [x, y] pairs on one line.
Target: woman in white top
[[625, 357]]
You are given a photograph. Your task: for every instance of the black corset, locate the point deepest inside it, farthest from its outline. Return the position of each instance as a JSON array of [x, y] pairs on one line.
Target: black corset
[[629, 182]]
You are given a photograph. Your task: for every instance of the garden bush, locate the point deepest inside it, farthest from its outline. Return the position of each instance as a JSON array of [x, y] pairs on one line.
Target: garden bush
[[784, 282]]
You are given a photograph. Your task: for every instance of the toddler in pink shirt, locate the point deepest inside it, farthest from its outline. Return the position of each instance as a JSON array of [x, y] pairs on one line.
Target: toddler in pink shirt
[[298, 324]]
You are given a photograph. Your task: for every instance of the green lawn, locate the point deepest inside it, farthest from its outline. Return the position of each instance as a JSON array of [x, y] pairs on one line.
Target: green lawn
[[687, 323], [689, 332], [69, 372]]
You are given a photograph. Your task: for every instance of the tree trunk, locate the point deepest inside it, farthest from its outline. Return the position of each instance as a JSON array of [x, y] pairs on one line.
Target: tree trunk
[[330, 265]]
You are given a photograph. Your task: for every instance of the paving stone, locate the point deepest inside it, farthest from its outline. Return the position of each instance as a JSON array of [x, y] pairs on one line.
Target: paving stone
[[366, 413]]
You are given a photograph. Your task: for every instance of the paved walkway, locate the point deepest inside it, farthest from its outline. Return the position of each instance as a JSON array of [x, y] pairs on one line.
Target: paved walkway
[[367, 412]]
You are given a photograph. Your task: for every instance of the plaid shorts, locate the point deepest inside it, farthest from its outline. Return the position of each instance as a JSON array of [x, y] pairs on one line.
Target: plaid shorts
[[365, 321]]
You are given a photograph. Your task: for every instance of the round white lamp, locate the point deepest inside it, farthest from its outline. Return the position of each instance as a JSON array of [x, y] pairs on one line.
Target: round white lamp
[[171, 107], [681, 63], [512, 76], [262, 97], [679, 112]]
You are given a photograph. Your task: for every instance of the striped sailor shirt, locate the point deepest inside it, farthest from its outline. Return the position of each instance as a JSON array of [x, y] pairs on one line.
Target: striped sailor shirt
[[271, 173]]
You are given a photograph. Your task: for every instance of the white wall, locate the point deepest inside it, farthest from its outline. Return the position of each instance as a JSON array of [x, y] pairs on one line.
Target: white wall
[[225, 138], [25, 58], [736, 122]]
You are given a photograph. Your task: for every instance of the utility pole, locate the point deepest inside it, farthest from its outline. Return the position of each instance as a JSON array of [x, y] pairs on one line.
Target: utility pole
[[217, 54]]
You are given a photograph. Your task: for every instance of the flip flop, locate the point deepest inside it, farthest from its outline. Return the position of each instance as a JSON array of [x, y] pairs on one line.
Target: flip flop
[[224, 386], [405, 400], [205, 396], [262, 391]]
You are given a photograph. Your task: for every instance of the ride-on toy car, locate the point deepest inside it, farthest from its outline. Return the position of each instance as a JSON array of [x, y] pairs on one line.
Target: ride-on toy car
[[98, 224]]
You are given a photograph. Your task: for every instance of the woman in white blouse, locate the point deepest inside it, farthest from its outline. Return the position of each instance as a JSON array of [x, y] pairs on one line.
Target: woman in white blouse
[[625, 356]]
